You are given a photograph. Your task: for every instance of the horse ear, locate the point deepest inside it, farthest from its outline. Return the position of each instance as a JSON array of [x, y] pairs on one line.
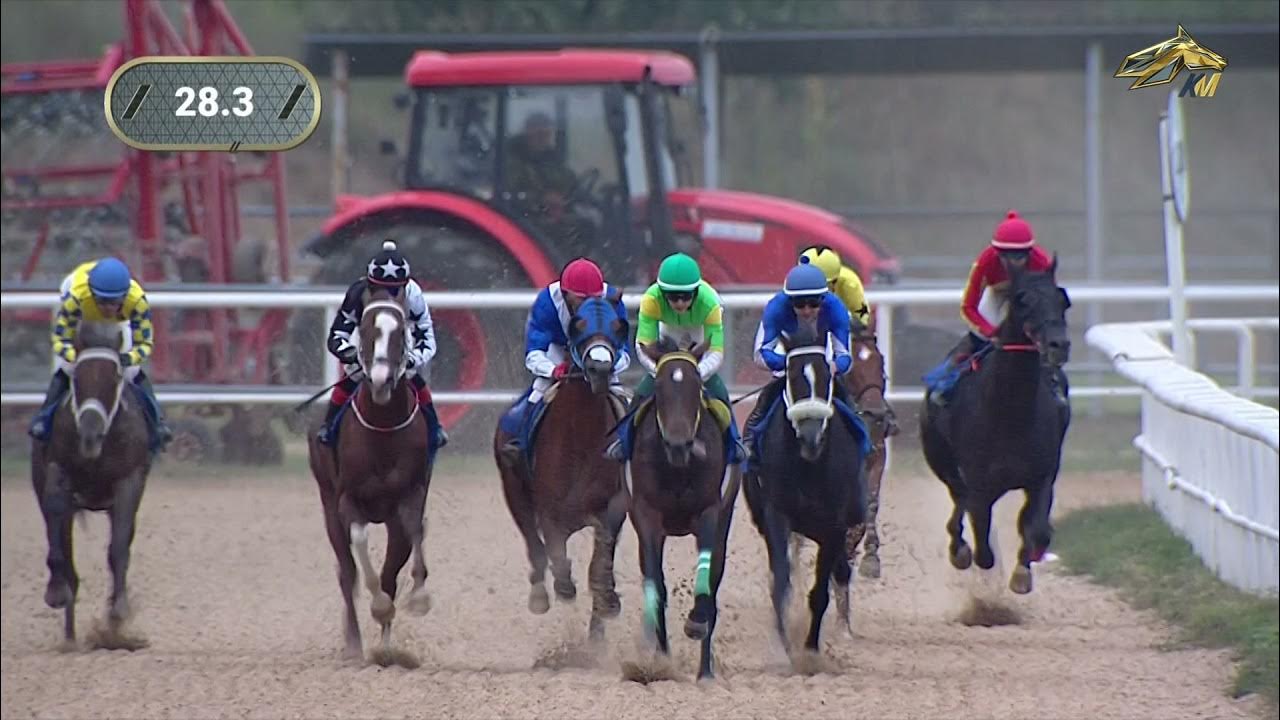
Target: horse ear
[[651, 350], [699, 349], [1066, 299], [1053, 266]]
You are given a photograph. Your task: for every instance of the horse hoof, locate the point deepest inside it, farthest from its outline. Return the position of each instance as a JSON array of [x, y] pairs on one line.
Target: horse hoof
[[57, 595], [566, 590], [539, 603], [695, 629], [419, 602], [869, 567], [1020, 581], [382, 608], [610, 605], [961, 559]]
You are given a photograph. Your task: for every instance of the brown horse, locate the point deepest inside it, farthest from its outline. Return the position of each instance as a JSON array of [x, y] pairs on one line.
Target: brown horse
[[866, 383], [681, 484], [570, 484], [378, 472], [96, 459]]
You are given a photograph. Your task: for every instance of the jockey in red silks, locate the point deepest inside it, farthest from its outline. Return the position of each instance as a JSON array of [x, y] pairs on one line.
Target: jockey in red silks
[[985, 300], [388, 270], [547, 340]]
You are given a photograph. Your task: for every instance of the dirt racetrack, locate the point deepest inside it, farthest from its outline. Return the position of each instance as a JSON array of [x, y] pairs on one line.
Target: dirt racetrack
[[233, 585]]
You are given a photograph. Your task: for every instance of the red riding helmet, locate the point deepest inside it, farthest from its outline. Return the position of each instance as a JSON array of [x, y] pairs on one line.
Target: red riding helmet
[[582, 277], [1013, 233]]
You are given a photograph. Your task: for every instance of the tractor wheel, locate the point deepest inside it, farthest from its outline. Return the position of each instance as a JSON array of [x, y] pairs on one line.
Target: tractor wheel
[[476, 349], [193, 442], [248, 438]]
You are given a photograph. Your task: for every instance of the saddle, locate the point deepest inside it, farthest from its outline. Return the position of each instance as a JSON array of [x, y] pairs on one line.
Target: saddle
[[525, 429]]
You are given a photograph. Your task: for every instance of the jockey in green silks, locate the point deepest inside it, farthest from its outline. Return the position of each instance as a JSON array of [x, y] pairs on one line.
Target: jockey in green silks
[[681, 307]]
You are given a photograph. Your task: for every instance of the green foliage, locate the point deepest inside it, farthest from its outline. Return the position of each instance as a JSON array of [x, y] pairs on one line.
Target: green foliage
[[1131, 548]]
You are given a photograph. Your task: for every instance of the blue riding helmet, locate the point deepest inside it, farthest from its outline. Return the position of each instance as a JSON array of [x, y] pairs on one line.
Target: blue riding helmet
[[109, 279], [804, 280]]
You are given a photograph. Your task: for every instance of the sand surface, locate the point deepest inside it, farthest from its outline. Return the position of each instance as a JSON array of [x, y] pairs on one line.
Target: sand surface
[[233, 586]]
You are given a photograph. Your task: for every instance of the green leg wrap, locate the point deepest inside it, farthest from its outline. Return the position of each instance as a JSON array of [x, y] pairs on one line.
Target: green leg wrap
[[702, 581]]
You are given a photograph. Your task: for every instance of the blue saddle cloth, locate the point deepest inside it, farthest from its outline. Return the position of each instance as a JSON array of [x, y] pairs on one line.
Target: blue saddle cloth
[[943, 379], [856, 425], [522, 420]]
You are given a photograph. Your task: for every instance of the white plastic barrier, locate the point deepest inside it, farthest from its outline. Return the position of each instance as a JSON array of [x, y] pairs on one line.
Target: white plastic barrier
[[329, 298], [1211, 459]]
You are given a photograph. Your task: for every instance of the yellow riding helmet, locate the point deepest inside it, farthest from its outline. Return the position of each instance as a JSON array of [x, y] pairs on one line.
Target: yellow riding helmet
[[825, 259]]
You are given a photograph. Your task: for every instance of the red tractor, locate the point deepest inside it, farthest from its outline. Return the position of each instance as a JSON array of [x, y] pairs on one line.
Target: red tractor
[[73, 192], [519, 161]]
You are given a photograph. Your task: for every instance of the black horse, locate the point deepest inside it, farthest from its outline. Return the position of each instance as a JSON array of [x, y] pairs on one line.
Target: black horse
[[811, 480], [1003, 428]]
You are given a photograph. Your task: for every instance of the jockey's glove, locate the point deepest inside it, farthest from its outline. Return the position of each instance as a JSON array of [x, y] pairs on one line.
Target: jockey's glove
[[561, 370], [843, 364], [126, 360], [349, 357], [709, 364]]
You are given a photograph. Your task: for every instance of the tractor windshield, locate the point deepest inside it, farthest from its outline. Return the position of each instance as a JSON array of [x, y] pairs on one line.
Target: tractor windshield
[[682, 144]]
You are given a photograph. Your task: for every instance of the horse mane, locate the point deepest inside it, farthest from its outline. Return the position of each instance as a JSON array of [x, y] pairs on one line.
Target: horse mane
[[98, 334]]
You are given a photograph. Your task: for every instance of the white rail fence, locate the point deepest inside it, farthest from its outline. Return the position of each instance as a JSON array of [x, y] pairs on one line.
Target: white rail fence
[[1210, 458], [329, 299]]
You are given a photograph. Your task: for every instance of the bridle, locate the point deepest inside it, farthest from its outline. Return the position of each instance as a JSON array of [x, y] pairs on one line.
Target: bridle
[[95, 404], [657, 408], [812, 407]]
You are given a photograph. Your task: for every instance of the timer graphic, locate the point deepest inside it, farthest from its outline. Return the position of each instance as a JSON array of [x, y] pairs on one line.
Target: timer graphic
[[179, 103]]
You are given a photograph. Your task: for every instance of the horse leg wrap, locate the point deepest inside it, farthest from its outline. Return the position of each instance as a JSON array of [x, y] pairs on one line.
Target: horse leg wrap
[[702, 580], [651, 603]]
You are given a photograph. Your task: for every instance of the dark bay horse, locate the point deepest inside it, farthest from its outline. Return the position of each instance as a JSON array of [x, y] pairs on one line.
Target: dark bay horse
[[378, 472], [96, 459], [810, 481], [866, 382], [681, 484], [570, 484], [1003, 428]]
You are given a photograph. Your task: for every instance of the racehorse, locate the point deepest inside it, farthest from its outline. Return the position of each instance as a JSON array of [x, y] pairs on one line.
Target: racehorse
[[681, 484], [97, 458], [378, 471], [866, 382], [569, 484], [1003, 428], [810, 479]]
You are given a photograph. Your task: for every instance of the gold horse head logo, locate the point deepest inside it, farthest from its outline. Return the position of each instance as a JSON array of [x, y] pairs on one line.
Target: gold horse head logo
[[1161, 63]]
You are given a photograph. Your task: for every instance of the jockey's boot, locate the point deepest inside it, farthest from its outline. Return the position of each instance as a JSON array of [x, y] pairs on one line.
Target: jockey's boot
[[767, 397], [439, 438], [42, 423], [616, 450], [325, 436], [1058, 384], [163, 433]]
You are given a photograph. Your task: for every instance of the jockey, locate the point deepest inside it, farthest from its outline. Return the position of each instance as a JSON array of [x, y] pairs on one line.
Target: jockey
[[390, 271], [985, 300], [682, 307], [547, 340], [805, 297], [101, 290], [841, 280]]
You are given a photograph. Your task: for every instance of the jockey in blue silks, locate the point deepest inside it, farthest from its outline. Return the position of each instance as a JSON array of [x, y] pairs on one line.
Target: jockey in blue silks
[[806, 298], [547, 339]]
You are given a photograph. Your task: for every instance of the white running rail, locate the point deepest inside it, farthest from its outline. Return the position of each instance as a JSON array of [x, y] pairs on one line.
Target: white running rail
[[1211, 459]]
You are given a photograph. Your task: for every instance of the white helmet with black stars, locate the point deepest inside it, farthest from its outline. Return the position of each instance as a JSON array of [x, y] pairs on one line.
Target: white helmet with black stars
[[388, 267]]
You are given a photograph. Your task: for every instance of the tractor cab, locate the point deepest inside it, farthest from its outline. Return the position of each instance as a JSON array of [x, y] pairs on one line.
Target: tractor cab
[[573, 146]]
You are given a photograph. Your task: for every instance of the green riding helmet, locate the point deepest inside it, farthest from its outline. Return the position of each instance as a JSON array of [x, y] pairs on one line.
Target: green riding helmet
[[679, 273]]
